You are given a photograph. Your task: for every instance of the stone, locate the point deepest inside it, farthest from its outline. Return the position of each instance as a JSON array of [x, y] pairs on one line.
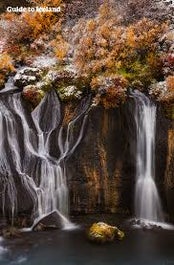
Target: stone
[[10, 232], [48, 222], [27, 76], [102, 233]]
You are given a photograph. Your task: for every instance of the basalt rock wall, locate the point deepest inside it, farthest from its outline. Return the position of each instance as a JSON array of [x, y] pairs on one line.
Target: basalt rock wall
[[102, 170]]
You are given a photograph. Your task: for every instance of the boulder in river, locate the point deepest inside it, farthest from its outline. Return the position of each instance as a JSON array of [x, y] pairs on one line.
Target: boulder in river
[[102, 233], [48, 222]]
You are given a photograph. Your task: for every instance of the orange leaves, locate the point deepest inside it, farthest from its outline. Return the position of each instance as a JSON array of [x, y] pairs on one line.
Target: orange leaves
[[144, 34], [6, 66], [104, 31], [40, 23], [6, 63], [170, 83], [90, 25], [60, 47], [23, 31], [104, 47], [131, 37]]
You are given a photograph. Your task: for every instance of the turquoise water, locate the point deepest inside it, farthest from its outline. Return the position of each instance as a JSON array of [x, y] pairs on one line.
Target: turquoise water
[[73, 248]]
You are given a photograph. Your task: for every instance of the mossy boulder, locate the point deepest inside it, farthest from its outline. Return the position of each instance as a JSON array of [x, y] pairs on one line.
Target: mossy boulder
[[102, 233]]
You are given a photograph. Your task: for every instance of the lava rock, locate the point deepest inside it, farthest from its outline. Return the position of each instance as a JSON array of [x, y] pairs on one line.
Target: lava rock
[[49, 222]]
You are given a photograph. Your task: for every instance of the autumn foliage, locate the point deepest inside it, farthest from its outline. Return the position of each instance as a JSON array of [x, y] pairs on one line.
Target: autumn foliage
[[22, 30], [6, 67], [104, 46], [109, 54]]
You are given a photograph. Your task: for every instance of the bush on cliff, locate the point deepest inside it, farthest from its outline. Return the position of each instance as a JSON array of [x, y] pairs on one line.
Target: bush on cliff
[[104, 47]]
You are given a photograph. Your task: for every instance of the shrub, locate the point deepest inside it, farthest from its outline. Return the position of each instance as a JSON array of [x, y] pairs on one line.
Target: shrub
[[23, 33], [6, 63], [103, 46], [110, 90], [6, 67]]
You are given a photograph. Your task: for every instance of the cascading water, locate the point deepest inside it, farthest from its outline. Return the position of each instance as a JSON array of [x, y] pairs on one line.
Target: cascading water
[[26, 159], [147, 202]]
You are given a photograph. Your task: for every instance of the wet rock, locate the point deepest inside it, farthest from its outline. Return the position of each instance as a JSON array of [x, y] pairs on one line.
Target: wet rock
[[27, 76], [10, 232], [102, 233], [3, 223], [49, 222]]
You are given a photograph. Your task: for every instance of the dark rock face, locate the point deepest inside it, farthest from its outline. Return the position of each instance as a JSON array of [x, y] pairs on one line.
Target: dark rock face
[[101, 172], [165, 159]]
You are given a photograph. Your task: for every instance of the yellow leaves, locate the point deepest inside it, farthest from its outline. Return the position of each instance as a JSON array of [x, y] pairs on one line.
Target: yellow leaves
[[40, 22], [6, 66], [144, 34], [104, 31], [87, 42], [90, 25], [6, 63], [60, 47], [104, 10], [131, 38], [43, 22]]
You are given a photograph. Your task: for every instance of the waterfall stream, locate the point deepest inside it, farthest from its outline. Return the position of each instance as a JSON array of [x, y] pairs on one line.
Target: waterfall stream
[[26, 161], [147, 201]]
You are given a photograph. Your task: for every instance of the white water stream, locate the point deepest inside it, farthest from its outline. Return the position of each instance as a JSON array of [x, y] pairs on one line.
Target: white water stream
[[147, 201], [25, 142]]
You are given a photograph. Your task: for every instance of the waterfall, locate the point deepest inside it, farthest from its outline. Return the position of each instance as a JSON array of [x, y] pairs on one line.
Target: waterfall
[[147, 201], [27, 162]]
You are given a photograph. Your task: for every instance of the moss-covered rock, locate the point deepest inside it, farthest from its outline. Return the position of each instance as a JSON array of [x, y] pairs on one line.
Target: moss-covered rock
[[102, 233]]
